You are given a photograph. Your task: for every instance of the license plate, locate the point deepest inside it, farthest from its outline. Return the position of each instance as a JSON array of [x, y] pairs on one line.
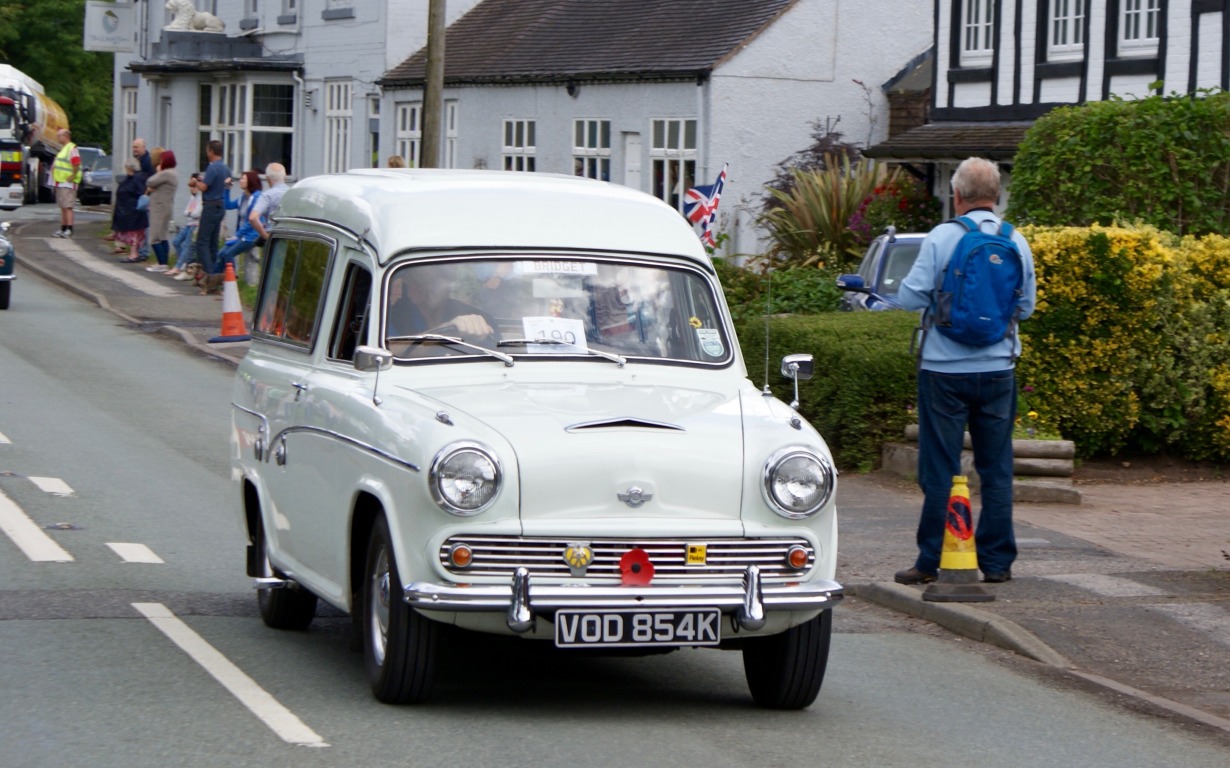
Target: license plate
[[628, 629]]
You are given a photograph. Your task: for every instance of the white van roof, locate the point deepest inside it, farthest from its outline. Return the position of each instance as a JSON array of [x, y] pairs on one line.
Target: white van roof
[[411, 209]]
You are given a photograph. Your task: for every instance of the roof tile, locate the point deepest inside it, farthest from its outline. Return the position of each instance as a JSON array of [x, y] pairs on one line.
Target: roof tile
[[555, 40]]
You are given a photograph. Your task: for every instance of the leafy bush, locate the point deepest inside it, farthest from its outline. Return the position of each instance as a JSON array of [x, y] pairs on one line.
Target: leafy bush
[[1128, 347], [752, 292], [1164, 161], [902, 202], [811, 222], [864, 387]]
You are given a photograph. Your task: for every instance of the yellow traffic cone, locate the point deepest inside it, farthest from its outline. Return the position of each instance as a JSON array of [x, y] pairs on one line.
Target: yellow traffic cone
[[232, 311], [958, 577]]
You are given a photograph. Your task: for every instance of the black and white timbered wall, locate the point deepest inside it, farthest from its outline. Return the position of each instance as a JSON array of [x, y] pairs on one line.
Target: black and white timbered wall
[[1017, 59]]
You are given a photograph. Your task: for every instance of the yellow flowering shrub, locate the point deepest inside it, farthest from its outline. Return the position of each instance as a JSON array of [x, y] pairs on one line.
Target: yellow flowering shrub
[[1128, 338]]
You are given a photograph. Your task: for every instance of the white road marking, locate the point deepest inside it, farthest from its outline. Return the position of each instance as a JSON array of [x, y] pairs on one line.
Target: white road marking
[[1204, 617], [52, 485], [1108, 586], [134, 553], [4, 440], [280, 720], [123, 273], [28, 537]]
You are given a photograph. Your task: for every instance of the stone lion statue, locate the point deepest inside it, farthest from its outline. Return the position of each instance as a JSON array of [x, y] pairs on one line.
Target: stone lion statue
[[189, 19]]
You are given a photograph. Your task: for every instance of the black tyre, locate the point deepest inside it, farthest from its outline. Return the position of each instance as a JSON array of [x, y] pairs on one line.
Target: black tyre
[[786, 671], [399, 644], [282, 608], [6, 289]]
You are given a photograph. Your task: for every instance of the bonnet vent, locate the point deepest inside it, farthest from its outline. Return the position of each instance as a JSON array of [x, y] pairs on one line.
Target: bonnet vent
[[626, 423]]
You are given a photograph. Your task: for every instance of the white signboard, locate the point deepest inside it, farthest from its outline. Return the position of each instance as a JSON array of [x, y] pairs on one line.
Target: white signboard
[[557, 331], [109, 27]]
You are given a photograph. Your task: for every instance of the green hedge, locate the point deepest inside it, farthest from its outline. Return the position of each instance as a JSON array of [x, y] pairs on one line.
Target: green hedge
[[1163, 161], [863, 391], [788, 290]]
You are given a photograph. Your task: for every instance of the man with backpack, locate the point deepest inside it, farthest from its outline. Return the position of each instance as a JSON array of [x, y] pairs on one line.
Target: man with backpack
[[974, 277]]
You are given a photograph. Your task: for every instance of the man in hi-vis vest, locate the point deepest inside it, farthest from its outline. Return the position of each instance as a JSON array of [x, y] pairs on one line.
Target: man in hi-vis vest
[[65, 176]]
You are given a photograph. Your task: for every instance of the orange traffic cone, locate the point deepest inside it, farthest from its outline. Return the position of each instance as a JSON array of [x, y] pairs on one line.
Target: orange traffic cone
[[232, 310], [958, 578]]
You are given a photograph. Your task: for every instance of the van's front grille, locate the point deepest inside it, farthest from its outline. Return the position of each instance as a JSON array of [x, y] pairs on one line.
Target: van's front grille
[[544, 557]]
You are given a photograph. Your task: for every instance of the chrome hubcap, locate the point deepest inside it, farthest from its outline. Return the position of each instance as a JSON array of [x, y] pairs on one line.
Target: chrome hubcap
[[379, 608]]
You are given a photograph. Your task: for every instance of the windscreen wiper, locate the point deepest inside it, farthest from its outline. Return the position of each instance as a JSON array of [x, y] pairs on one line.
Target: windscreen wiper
[[436, 338], [614, 358]]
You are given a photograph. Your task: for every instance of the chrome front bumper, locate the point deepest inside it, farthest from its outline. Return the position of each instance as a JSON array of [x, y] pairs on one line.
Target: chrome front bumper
[[521, 601]]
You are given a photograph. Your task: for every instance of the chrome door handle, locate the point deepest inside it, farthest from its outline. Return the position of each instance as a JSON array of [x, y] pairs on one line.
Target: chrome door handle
[[299, 389]]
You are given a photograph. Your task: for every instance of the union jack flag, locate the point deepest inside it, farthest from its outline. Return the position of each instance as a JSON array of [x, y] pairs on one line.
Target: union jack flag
[[700, 205]]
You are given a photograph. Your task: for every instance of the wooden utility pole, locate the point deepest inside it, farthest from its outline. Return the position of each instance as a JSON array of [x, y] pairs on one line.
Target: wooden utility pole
[[433, 89]]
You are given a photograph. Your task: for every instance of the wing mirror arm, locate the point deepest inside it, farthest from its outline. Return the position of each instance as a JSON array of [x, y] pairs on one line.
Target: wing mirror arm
[[798, 368], [369, 359]]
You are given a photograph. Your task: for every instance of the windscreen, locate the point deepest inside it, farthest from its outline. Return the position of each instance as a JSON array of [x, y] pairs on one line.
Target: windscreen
[[552, 307]]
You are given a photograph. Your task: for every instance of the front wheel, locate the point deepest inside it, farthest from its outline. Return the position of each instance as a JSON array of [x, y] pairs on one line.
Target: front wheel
[[5, 289], [399, 644], [785, 671]]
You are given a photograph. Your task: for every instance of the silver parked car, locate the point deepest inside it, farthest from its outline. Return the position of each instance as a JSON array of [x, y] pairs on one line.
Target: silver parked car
[[97, 181]]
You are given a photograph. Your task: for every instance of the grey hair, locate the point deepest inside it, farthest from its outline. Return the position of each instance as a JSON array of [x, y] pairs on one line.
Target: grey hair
[[977, 179], [276, 173], [131, 165]]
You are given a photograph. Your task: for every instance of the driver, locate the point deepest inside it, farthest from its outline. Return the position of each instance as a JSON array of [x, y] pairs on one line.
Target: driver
[[424, 303]]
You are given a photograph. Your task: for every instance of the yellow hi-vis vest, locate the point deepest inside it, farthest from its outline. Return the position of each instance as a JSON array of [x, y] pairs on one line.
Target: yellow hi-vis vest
[[63, 169]]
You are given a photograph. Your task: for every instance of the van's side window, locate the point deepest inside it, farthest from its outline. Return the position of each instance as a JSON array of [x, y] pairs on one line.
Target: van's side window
[[293, 289], [350, 325]]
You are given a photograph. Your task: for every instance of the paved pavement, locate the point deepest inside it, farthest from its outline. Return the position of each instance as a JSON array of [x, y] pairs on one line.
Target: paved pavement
[[1128, 591]]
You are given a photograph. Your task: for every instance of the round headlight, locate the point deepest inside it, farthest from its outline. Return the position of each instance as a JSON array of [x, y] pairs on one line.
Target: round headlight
[[797, 482], [465, 478]]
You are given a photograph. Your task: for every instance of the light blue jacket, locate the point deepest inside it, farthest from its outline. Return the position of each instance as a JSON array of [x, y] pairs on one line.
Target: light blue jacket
[[940, 353]]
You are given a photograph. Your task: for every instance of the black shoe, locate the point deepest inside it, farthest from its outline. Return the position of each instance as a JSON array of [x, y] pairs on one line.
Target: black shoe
[[913, 576], [997, 577]]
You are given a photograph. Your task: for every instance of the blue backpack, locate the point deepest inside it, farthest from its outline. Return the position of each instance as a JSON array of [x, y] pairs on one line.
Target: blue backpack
[[976, 300]]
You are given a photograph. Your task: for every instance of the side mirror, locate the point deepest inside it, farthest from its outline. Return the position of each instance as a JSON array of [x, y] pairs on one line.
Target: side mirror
[[369, 359], [798, 368], [853, 283]]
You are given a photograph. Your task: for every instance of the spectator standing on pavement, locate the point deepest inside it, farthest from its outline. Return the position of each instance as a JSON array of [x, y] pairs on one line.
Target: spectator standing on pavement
[[397, 161], [264, 209], [65, 176], [148, 160], [959, 385], [128, 222], [185, 239], [161, 190], [214, 183]]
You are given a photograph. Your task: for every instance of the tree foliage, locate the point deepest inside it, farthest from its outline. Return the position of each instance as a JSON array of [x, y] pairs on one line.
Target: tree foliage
[[1163, 161], [43, 38]]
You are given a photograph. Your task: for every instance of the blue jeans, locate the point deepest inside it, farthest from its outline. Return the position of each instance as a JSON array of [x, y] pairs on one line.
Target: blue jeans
[[947, 402], [229, 253], [207, 234], [184, 249]]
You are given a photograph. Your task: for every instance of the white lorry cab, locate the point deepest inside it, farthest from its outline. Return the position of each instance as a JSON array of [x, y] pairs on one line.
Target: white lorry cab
[[514, 403]]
